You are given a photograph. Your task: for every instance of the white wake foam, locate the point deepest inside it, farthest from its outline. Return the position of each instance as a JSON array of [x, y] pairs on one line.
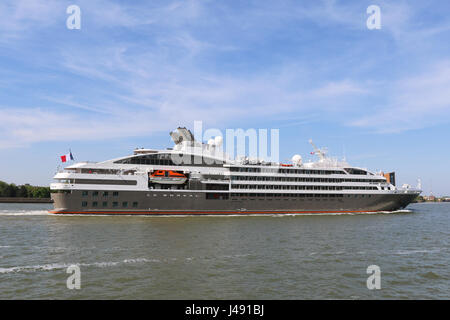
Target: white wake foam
[[57, 266], [24, 213], [408, 252], [105, 264], [276, 215]]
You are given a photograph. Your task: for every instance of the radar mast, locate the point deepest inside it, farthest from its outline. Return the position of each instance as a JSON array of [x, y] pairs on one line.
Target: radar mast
[[321, 153]]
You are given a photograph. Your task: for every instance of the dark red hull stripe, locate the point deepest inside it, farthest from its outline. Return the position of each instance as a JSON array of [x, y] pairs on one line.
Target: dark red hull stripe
[[200, 212]]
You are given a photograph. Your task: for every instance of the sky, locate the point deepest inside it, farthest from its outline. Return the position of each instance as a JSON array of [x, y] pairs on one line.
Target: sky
[[136, 70]]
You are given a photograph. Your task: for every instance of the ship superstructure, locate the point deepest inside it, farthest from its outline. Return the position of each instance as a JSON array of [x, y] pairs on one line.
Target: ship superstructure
[[197, 178]]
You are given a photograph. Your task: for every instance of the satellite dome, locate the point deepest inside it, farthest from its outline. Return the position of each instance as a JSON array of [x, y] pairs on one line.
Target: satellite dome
[[297, 159]]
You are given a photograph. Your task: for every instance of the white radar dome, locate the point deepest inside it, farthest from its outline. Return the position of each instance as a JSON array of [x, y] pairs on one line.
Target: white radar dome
[[297, 159]]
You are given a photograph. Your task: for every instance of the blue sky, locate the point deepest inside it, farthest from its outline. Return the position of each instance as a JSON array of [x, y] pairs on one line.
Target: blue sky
[[138, 69]]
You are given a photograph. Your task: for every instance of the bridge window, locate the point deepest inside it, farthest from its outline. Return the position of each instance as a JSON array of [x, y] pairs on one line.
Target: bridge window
[[355, 171]]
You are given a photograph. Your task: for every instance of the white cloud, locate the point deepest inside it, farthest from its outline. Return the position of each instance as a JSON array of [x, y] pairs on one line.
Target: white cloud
[[142, 87], [21, 127], [416, 102], [139, 103], [336, 89], [20, 17]]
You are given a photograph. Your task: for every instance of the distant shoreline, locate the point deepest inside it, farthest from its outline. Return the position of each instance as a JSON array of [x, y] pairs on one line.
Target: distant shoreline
[[430, 202], [25, 200]]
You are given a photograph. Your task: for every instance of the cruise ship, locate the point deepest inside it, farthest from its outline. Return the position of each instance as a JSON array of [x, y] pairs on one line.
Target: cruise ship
[[194, 178]]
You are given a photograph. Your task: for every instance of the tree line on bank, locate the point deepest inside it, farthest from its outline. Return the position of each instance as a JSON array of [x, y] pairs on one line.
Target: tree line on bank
[[23, 191]]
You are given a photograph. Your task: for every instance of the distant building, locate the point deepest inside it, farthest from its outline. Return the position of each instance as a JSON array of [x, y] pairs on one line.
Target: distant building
[[429, 198]]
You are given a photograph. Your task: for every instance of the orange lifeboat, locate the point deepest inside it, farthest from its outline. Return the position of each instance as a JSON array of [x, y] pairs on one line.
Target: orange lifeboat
[[285, 165], [167, 177]]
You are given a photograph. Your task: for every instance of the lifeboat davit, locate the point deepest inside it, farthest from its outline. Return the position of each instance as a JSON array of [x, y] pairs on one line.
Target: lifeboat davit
[[167, 177]]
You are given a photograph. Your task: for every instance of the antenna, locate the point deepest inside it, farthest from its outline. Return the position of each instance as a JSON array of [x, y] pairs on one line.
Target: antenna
[[320, 152]]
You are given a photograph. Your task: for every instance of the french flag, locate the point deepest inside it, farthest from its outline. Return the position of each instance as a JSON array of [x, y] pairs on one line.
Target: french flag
[[67, 157]]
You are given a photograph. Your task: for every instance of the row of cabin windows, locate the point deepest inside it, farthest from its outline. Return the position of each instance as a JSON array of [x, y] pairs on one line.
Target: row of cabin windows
[[105, 204], [171, 160], [289, 187], [298, 195], [97, 171], [355, 171], [292, 171], [104, 171], [296, 179], [211, 186], [103, 193], [175, 195]]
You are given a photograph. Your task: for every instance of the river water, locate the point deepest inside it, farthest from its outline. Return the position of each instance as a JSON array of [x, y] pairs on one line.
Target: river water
[[231, 257]]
